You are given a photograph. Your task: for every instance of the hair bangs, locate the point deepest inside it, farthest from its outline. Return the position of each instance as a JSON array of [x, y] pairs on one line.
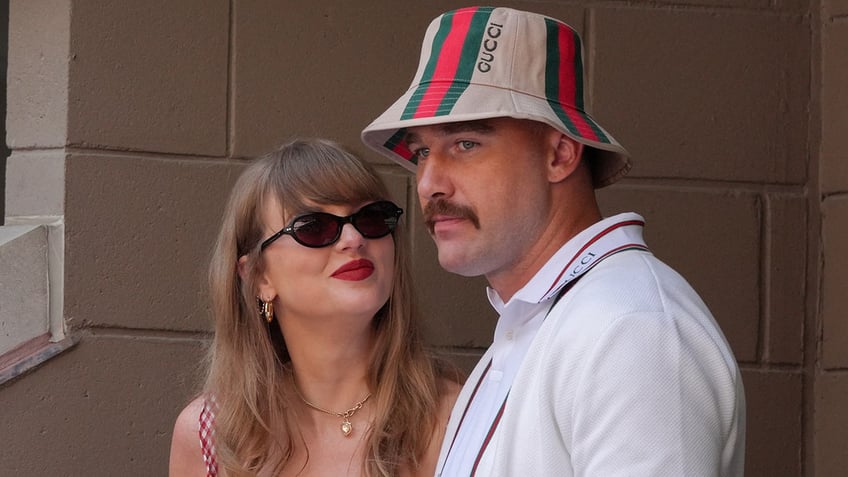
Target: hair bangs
[[319, 173]]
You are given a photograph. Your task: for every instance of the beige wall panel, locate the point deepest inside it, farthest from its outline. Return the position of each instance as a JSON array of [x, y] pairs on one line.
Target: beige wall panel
[[704, 93], [24, 307], [713, 239], [780, 5], [398, 184], [774, 429], [835, 282], [834, 8], [149, 75], [104, 408], [800, 6], [304, 70], [35, 183], [786, 278], [833, 168], [328, 68], [37, 76], [831, 421], [465, 360], [139, 233]]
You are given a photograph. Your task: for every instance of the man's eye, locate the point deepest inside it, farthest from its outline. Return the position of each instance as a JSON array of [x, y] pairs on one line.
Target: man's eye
[[421, 153], [466, 145]]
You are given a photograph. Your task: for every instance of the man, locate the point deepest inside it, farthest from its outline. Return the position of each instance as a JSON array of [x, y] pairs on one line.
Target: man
[[604, 361]]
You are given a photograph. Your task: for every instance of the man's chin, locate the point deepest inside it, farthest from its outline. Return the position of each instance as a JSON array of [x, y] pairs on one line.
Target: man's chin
[[457, 265]]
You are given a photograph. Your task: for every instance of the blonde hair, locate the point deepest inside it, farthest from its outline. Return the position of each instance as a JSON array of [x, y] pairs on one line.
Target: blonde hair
[[247, 375]]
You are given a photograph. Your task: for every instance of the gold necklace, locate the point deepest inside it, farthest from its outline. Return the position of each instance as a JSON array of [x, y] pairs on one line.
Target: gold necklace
[[347, 426]]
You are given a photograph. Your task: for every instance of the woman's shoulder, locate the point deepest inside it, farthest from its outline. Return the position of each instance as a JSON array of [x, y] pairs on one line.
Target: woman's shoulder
[[186, 454], [449, 392], [449, 380]]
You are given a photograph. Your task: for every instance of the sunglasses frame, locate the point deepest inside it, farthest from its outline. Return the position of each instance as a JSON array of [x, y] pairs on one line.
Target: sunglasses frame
[[393, 212]]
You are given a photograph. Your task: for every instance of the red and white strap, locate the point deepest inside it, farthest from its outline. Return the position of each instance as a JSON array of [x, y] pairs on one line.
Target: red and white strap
[[207, 437]]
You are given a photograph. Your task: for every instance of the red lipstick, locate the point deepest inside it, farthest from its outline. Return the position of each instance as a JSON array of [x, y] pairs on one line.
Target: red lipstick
[[354, 270]]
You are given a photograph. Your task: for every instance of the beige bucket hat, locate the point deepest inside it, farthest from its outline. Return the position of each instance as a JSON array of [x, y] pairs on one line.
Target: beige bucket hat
[[488, 62]]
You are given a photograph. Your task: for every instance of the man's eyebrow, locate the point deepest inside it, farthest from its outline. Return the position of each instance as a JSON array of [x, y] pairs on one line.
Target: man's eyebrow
[[481, 127], [410, 138]]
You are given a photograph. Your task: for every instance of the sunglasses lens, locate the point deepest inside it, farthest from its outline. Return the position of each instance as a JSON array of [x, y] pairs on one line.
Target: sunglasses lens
[[316, 230], [320, 229], [376, 220]]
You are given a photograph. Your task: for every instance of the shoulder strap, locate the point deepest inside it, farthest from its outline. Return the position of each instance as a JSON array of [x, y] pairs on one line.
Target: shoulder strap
[[207, 437]]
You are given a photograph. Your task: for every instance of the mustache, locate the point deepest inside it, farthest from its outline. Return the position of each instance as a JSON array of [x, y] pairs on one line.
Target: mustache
[[443, 207]]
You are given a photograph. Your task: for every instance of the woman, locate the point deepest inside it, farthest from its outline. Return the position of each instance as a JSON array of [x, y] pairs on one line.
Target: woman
[[317, 366]]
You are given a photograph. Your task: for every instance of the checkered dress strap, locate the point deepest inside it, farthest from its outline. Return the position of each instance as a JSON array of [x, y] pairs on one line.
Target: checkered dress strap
[[207, 436]]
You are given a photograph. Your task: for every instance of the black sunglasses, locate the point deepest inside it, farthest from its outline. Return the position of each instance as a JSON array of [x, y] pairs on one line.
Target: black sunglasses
[[320, 229]]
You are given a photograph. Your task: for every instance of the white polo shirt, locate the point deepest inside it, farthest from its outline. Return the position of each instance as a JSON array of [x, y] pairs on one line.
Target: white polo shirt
[[629, 375]]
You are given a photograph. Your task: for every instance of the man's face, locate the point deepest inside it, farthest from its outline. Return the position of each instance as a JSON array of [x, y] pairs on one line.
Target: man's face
[[484, 191]]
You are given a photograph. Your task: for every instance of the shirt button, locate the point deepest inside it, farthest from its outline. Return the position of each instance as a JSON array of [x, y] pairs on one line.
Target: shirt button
[[508, 335]]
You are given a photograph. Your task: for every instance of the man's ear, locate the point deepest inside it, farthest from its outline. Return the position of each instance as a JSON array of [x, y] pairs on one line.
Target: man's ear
[[567, 154]]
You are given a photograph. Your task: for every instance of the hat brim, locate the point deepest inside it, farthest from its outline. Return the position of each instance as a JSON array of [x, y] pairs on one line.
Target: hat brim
[[609, 162]]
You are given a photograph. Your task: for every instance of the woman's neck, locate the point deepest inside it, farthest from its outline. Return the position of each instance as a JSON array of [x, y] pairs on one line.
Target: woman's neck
[[329, 363]]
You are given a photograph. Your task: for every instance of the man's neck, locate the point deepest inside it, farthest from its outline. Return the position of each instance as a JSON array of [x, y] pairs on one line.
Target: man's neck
[[563, 226]]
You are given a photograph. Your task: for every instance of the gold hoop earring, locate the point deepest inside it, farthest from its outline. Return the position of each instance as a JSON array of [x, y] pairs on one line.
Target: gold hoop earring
[[266, 309]]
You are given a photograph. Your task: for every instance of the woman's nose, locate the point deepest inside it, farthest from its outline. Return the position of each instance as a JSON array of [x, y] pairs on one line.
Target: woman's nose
[[350, 237]]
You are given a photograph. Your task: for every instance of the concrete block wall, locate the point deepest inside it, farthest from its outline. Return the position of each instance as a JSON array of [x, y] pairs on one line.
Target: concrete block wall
[[831, 385], [23, 256], [131, 120], [118, 128], [4, 62]]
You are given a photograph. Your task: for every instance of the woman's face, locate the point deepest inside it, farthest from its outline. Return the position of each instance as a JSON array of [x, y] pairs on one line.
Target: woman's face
[[344, 283]]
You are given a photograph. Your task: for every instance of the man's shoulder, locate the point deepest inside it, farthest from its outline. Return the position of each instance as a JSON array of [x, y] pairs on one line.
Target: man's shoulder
[[629, 285], [635, 278]]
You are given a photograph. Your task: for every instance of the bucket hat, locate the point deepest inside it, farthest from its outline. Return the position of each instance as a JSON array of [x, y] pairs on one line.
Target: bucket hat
[[488, 62]]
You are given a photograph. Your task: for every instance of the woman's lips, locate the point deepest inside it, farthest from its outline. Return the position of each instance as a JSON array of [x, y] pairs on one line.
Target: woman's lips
[[355, 270]]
